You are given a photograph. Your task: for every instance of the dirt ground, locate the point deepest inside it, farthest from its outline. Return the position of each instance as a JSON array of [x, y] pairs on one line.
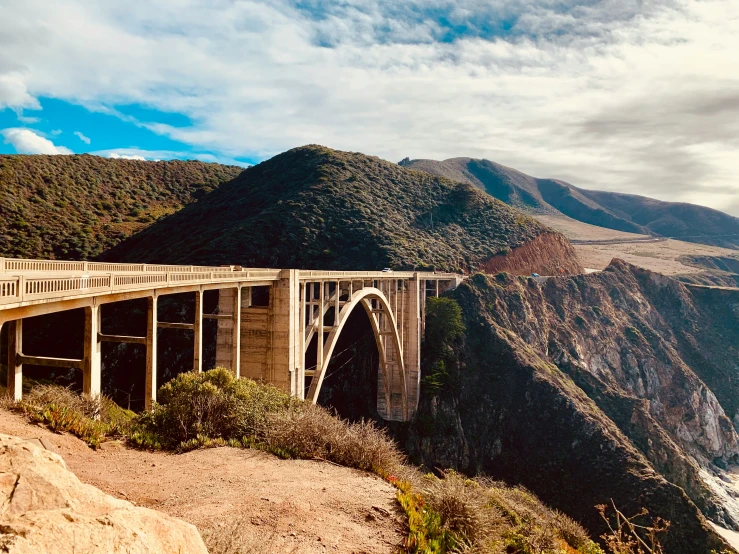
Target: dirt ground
[[265, 503], [662, 256]]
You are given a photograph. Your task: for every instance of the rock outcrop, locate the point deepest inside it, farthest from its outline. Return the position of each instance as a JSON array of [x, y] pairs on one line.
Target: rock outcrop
[[595, 387], [45, 508], [547, 254]]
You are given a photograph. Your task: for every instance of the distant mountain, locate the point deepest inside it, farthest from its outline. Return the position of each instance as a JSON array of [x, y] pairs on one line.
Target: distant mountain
[[75, 207], [623, 212], [313, 207]]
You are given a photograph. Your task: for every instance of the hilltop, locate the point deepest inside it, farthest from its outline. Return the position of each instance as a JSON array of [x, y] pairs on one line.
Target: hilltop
[[75, 207], [623, 212], [313, 207]]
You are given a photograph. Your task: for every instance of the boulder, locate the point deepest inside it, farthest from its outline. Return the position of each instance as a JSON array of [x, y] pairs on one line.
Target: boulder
[[45, 508]]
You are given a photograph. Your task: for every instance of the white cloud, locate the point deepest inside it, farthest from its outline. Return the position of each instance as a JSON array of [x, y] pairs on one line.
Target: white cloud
[[633, 96], [82, 137], [27, 120], [157, 155], [117, 156], [26, 141], [13, 91]]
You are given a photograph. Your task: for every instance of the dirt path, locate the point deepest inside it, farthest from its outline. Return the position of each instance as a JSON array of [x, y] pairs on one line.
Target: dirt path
[[295, 506]]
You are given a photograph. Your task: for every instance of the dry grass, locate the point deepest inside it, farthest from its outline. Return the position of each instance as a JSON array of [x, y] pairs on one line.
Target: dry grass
[[449, 514], [62, 409], [485, 516], [309, 431], [235, 538]]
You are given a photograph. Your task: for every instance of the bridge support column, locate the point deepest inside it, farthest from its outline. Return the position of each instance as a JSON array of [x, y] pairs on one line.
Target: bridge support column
[[197, 362], [15, 370], [228, 338], [412, 348], [92, 360], [286, 358], [236, 333], [150, 395]]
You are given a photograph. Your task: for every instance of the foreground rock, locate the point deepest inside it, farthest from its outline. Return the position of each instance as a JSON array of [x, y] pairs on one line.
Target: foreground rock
[[45, 508]]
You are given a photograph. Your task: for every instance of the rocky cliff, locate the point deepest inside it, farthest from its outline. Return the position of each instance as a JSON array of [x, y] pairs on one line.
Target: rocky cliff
[[547, 254], [593, 387]]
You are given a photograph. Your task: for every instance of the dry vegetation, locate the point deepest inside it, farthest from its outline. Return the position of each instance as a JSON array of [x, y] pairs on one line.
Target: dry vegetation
[[445, 514], [75, 207]]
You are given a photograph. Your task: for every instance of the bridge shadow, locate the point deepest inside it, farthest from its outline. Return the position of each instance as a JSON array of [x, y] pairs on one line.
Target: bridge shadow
[[123, 365], [350, 385]]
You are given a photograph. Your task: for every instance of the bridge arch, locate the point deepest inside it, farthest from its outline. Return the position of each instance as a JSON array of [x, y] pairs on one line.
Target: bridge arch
[[387, 338]]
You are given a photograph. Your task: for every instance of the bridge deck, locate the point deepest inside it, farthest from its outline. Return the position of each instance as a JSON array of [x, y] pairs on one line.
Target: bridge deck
[[32, 282]]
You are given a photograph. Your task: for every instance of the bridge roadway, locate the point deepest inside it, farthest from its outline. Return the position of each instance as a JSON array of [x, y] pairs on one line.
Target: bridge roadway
[[269, 320]]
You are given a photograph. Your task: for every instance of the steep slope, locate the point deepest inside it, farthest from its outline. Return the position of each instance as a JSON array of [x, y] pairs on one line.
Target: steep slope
[[586, 388], [74, 207], [316, 207], [623, 212]]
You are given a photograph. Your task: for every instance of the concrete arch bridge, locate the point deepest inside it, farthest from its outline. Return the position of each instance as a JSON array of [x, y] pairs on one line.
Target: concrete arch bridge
[[267, 319]]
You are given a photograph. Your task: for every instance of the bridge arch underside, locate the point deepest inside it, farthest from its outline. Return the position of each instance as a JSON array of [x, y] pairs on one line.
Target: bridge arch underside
[[326, 334], [351, 381]]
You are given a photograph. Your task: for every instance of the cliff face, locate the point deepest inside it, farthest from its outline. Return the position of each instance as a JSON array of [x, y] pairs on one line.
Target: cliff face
[[547, 254], [592, 387]]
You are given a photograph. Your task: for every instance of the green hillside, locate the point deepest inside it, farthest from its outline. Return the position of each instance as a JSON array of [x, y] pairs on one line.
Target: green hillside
[[313, 207], [75, 207]]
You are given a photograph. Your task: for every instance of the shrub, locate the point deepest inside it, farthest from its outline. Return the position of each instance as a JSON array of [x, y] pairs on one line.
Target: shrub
[[61, 409], [309, 431], [213, 404], [444, 327]]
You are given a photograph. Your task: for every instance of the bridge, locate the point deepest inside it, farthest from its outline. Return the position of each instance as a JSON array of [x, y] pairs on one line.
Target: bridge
[[268, 320]]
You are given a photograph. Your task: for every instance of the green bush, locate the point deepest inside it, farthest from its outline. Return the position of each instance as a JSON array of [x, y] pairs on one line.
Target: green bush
[[213, 405], [444, 327]]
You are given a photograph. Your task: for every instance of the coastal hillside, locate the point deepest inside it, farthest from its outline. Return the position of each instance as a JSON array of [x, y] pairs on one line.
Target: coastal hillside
[[624, 212], [313, 207], [75, 207], [595, 387]]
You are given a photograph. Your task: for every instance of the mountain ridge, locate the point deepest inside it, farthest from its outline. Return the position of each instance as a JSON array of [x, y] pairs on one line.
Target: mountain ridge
[[620, 211]]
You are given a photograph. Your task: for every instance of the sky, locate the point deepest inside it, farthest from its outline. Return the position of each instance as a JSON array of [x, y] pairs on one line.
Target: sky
[[635, 96]]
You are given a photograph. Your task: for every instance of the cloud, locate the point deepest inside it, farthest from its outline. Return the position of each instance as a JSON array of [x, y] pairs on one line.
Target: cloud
[[117, 156], [28, 120], [615, 94], [157, 155], [82, 137], [26, 141], [13, 91]]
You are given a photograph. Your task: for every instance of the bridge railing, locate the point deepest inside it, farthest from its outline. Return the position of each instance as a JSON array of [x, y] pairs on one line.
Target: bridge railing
[[317, 274], [52, 266], [22, 288]]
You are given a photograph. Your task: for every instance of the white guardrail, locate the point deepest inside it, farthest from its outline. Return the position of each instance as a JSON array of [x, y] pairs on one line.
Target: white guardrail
[[19, 284]]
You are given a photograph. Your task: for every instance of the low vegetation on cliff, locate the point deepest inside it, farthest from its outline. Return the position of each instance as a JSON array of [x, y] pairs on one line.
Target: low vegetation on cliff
[[75, 207], [446, 513], [313, 207]]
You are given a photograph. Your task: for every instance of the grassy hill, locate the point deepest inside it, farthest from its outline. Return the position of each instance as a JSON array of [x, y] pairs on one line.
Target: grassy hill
[[75, 207], [313, 207], [623, 212]]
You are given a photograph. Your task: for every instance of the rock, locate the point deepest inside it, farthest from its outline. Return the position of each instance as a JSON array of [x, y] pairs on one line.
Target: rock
[[45, 508]]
